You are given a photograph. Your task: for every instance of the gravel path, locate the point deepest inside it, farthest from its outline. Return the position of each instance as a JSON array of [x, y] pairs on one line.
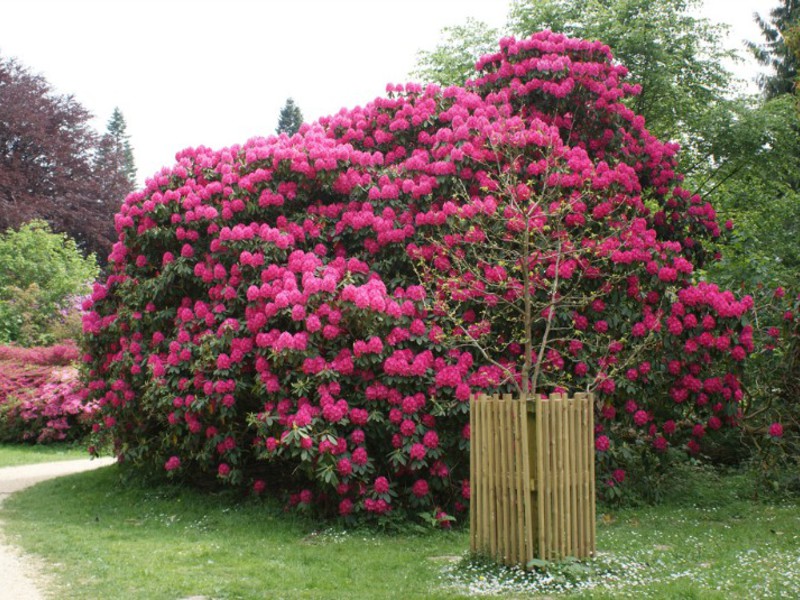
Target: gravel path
[[21, 575]]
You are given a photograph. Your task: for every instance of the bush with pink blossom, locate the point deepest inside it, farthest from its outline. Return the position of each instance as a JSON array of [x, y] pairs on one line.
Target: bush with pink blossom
[[42, 398], [264, 323]]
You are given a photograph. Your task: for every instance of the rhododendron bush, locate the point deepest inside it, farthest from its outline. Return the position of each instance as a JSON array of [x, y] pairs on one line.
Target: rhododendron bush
[[311, 314], [42, 398]]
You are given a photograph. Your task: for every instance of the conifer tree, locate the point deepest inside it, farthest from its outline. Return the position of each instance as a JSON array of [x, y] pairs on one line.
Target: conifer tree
[[290, 118], [775, 52], [116, 143]]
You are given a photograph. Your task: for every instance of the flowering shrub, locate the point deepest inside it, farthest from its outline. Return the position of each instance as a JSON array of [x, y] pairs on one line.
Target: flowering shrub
[[59, 355], [41, 396], [264, 324]]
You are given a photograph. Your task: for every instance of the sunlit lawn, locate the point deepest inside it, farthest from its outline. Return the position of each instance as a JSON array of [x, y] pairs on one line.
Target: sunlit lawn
[[108, 540], [16, 454]]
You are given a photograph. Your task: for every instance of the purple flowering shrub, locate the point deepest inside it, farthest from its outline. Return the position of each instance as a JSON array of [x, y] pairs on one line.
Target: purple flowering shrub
[[264, 323]]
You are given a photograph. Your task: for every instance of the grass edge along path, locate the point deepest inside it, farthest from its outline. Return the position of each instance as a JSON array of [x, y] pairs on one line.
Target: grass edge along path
[[113, 541], [13, 455]]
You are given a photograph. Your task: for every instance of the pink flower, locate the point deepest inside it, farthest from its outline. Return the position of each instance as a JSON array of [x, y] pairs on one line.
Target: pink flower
[[381, 485], [660, 444], [343, 467], [420, 488], [418, 451], [640, 417], [618, 475], [602, 443], [359, 456], [173, 463], [431, 439], [776, 430], [345, 507], [223, 470]]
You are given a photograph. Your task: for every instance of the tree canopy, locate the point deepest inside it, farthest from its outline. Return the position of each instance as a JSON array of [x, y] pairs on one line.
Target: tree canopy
[[40, 273], [50, 165], [453, 60]]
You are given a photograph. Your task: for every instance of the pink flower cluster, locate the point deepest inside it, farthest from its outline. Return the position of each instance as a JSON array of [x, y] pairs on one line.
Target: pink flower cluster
[[41, 396]]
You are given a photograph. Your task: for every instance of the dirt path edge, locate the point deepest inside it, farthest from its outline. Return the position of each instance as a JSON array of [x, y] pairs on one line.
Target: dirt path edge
[[24, 577]]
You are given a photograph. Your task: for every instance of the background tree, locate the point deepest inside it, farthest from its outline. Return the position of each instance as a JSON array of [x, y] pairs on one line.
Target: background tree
[[758, 192], [761, 192], [114, 166], [41, 273], [48, 162], [115, 146], [775, 52], [453, 60], [290, 118]]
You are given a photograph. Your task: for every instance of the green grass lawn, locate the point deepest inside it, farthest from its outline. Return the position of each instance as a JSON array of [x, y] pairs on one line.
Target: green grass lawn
[[109, 540], [12, 455]]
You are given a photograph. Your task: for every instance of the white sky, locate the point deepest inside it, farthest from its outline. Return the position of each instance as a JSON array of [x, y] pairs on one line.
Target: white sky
[[215, 73]]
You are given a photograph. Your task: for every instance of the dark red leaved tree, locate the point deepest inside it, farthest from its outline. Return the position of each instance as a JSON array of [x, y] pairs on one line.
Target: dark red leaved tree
[[49, 167]]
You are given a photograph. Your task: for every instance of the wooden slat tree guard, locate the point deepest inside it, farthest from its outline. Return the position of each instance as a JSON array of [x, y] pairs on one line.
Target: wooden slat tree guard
[[532, 490]]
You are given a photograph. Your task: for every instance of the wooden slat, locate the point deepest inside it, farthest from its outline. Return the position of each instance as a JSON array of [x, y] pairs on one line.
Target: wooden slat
[[562, 476], [580, 462], [590, 449], [568, 495], [551, 510], [491, 528], [483, 514], [504, 507], [587, 445], [514, 467], [576, 478], [528, 446], [505, 472], [540, 462], [559, 541], [473, 474], [521, 473]]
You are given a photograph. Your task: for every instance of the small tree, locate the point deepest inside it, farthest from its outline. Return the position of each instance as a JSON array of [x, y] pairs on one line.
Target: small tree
[[290, 118], [40, 271], [515, 263]]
